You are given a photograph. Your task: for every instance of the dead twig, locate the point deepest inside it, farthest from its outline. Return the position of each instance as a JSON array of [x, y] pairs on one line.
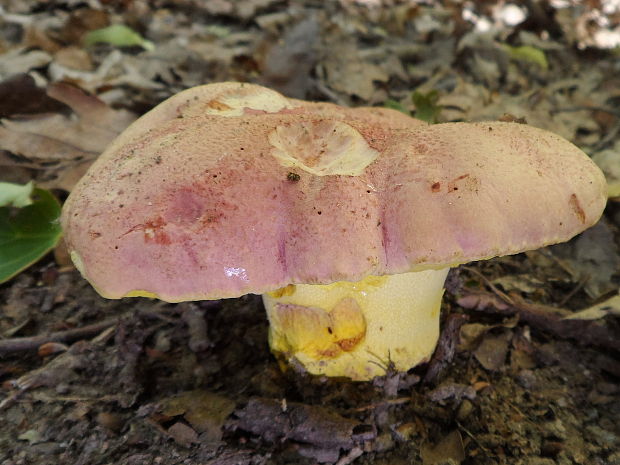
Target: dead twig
[[484, 450], [550, 319], [575, 108], [373, 406], [21, 344], [582, 282], [351, 456], [553, 320], [505, 297], [446, 347]]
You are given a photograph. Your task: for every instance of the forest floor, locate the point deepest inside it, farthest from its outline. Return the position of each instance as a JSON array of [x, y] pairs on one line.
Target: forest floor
[[138, 381]]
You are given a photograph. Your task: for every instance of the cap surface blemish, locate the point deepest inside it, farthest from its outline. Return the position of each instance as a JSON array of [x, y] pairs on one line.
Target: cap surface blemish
[[322, 148]]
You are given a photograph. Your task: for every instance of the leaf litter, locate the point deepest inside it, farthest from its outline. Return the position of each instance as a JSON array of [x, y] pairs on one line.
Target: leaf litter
[[526, 371]]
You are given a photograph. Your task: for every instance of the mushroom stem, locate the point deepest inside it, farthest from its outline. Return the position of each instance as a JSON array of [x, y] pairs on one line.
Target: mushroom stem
[[357, 329]]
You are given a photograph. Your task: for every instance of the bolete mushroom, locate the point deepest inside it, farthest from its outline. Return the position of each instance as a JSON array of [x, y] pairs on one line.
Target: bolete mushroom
[[346, 220]]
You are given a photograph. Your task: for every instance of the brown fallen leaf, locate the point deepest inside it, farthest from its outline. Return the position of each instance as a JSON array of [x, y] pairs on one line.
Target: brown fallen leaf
[[287, 63], [480, 385], [69, 175], [522, 355], [609, 161], [492, 351], [482, 301], [449, 449], [452, 391], [111, 421], [547, 318], [51, 348], [471, 334], [239, 9], [61, 145], [81, 21], [73, 57], [205, 411], [348, 73], [183, 434], [22, 60], [19, 95], [594, 256], [524, 283], [307, 424]]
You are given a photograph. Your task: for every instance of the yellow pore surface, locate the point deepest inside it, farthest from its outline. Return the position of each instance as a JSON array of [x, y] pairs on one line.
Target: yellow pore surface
[[357, 329]]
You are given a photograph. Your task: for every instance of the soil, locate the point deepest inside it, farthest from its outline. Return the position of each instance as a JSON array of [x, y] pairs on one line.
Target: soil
[[136, 381]]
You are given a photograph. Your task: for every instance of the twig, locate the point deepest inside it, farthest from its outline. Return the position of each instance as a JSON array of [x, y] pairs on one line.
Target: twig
[[505, 297], [473, 438], [20, 344], [351, 456], [10, 400], [397, 401], [329, 93], [446, 347], [608, 137], [611, 111], [553, 320], [582, 282]]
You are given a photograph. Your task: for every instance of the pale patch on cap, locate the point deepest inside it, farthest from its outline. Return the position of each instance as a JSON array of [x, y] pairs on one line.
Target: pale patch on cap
[[237, 101], [322, 148]]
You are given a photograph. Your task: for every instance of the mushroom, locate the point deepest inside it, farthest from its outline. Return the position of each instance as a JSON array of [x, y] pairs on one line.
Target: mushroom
[[345, 220]]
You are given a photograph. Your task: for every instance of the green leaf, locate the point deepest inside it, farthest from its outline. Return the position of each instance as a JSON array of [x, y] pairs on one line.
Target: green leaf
[[426, 107], [32, 436], [27, 233], [396, 105], [16, 195], [118, 35], [527, 53]]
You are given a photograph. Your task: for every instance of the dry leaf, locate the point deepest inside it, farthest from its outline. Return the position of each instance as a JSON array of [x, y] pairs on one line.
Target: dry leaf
[[308, 424], [608, 307], [521, 282], [74, 58], [205, 411], [449, 449], [20, 60], [492, 351], [481, 301], [183, 434], [19, 95], [471, 334], [346, 72], [287, 64], [592, 256], [452, 391], [609, 162], [72, 141]]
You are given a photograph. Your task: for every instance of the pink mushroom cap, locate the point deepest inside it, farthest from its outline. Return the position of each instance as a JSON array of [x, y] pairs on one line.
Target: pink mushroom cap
[[189, 204]]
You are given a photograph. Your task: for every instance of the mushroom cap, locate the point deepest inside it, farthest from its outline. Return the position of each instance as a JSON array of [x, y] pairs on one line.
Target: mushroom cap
[[229, 189]]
